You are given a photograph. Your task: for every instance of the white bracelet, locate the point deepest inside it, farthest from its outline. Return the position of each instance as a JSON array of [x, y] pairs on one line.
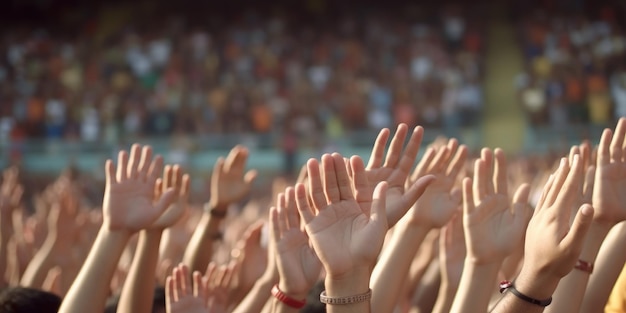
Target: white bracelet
[[345, 300]]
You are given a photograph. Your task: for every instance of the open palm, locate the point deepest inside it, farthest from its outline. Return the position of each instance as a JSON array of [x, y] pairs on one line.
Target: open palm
[[610, 181], [128, 198], [229, 182], [347, 230]]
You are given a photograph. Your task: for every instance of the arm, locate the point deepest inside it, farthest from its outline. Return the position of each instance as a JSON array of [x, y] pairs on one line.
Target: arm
[[10, 197], [138, 290], [127, 208], [432, 210], [298, 266], [228, 185], [608, 200], [452, 254], [552, 246], [492, 230], [609, 264]]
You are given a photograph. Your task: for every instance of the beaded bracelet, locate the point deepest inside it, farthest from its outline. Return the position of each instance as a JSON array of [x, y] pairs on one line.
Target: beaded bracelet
[[345, 300], [508, 285]]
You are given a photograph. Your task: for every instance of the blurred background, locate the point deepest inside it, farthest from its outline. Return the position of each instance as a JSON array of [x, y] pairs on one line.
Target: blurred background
[[80, 80]]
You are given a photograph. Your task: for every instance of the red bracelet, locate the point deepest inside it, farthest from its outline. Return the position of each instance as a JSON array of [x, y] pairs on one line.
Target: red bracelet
[[289, 301], [584, 266]]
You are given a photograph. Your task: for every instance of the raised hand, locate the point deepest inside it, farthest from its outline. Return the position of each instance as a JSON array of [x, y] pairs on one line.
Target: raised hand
[[10, 192], [452, 252], [180, 296], [128, 203], [493, 227], [229, 183], [218, 284], [297, 263], [251, 259], [609, 197], [552, 246], [395, 170], [347, 230], [173, 178], [439, 202]]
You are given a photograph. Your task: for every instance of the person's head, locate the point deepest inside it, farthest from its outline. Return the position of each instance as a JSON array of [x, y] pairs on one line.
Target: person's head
[[27, 300]]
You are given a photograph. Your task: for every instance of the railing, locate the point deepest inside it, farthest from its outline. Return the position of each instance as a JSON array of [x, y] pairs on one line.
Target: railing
[[50, 156]]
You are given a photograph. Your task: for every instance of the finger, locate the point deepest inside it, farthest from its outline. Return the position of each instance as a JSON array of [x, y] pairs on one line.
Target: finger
[[378, 151], [178, 284], [521, 194], [585, 153], [544, 194], [379, 200], [283, 224], [197, 285], [480, 180], [170, 292], [439, 161], [416, 190], [362, 188], [167, 176], [487, 156], [468, 198], [574, 239], [236, 161], [275, 232], [185, 281], [500, 173], [395, 148], [343, 180], [122, 163], [218, 170], [210, 272], [329, 181], [604, 155], [618, 141], [230, 274], [410, 152], [456, 165], [166, 199], [302, 177], [292, 212], [423, 164], [155, 169], [559, 178], [572, 187], [316, 190], [250, 176], [109, 170], [177, 178], [158, 189], [303, 204], [135, 155], [144, 163], [574, 150], [590, 177], [185, 187]]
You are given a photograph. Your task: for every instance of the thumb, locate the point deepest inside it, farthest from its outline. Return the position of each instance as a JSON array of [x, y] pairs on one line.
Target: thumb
[[379, 204], [166, 199], [576, 236], [417, 189]]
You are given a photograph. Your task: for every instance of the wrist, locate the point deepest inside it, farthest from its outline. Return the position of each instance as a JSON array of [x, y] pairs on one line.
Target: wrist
[[351, 283], [536, 285], [593, 241], [292, 292]]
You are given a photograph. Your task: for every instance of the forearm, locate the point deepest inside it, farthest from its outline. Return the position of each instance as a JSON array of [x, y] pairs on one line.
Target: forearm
[[257, 297], [199, 251], [608, 266], [138, 291], [476, 287], [6, 228], [279, 307], [393, 266], [570, 292], [531, 285], [352, 284], [445, 298], [89, 291], [38, 267]]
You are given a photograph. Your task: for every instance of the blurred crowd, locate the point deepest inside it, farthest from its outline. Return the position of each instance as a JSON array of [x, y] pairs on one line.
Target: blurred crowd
[[575, 67], [255, 72]]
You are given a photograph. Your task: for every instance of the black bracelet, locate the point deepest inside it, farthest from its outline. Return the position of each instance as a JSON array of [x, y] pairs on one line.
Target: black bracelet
[[218, 214], [507, 285]]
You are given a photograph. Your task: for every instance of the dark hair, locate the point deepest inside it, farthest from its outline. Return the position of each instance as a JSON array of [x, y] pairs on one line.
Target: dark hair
[[27, 300], [313, 304], [158, 302]]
